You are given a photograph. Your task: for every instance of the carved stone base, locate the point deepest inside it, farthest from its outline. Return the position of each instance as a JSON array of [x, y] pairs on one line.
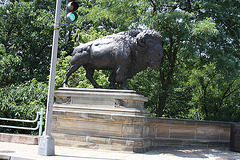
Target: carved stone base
[[101, 101], [100, 118]]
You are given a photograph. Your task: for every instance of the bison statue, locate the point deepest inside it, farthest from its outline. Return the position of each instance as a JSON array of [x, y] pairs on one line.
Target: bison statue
[[125, 53]]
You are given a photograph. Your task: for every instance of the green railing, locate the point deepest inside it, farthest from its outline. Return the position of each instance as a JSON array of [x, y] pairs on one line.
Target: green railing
[[39, 123]]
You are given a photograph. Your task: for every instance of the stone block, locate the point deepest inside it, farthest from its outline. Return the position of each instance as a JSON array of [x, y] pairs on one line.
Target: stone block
[[110, 129], [163, 130], [166, 142], [152, 131], [98, 140], [201, 133], [183, 131], [133, 130], [213, 134], [225, 134], [198, 143], [146, 130], [208, 132], [19, 138], [122, 142]]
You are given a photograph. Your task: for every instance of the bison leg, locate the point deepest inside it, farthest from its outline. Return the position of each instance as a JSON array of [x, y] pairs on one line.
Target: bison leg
[[123, 85], [70, 70], [89, 75], [77, 60], [121, 77], [112, 80]]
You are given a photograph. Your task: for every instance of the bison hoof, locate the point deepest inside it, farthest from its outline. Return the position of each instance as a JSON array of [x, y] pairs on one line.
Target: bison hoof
[[125, 88], [97, 86], [65, 85], [112, 87]]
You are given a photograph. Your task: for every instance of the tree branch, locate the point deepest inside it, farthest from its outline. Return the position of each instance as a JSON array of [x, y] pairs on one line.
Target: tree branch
[[154, 6]]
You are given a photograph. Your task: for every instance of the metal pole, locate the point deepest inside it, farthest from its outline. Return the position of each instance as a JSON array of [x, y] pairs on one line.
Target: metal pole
[[40, 122], [46, 143]]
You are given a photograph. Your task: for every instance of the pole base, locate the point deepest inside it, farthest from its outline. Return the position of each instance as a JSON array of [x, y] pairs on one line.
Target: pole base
[[46, 146]]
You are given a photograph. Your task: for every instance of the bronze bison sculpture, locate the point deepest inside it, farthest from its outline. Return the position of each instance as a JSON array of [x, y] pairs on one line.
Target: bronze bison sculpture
[[125, 53]]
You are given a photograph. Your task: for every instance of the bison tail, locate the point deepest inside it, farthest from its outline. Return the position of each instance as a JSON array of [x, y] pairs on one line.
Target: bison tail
[[78, 40]]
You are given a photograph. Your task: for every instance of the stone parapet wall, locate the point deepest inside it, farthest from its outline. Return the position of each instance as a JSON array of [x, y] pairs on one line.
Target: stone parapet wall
[[135, 133], [120, 122], [164, 131]]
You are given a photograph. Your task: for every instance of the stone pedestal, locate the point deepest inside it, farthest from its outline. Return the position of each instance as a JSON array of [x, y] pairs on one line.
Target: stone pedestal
[[100, 118]]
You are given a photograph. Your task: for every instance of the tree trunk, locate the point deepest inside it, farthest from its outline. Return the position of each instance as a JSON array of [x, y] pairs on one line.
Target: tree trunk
[[161, 104], [166, 77]]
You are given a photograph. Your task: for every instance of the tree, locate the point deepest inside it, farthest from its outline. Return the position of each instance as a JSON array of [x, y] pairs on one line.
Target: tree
[[26, 34], [112, 15], [199, 74], [197, 34]]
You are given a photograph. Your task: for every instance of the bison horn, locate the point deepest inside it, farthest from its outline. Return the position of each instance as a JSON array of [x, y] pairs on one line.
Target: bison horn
[[140, 42], [140, 39]]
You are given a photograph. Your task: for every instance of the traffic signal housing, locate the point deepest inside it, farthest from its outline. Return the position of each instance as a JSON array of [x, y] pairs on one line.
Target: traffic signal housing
[[71, 15]]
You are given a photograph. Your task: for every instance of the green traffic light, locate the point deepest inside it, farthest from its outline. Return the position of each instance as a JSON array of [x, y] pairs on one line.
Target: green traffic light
[[72, 17]]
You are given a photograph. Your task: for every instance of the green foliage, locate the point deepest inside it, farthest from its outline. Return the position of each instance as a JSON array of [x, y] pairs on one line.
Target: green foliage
[[26, 33], [198, 78], [197, 54], [8, 69], [2, 49], [146, 82], [111, 15], [213, 94], [90, 35], [22, 102], [196, 36], [204, 29]]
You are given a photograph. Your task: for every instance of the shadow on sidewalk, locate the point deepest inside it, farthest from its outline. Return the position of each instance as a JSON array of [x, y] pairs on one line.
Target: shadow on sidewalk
[[196, 152]]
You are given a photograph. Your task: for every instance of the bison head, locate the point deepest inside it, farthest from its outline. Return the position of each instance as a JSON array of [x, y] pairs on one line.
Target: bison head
[[148, 43]]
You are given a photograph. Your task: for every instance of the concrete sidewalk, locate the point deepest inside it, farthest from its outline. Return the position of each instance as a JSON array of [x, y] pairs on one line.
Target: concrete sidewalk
[[16, 151]]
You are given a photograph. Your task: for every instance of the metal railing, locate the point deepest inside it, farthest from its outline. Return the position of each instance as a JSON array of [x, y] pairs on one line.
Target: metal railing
[[39, 124]]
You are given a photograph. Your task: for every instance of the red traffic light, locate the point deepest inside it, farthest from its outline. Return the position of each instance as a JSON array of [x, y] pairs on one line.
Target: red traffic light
[[72, 6]]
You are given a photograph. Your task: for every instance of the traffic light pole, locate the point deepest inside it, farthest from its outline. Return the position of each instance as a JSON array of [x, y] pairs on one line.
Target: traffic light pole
[[46, 145]]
